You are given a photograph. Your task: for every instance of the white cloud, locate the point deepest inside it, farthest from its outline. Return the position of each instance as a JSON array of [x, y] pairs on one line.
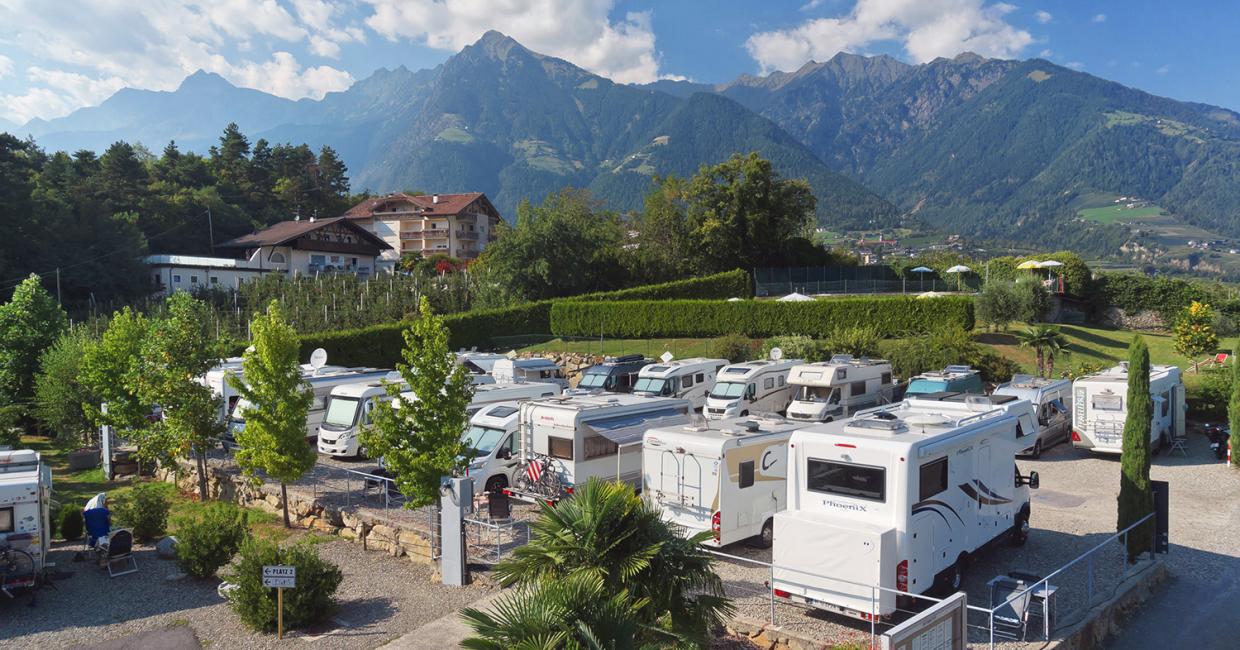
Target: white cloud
[[579, 31], [6, 66], [1100, 18], [1075, 65], [926, 28], [812, 5], [1163, 69], [1045, 54], [1043, 16]]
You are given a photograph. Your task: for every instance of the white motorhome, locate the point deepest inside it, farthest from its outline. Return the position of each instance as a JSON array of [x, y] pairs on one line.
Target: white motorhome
[[751, 387], [829, 390], [1051, 399], [725, 477], [350, 406], [569, 439], [25, 503], [899, 498], [321, 381], [537, 369], [1100, 406], [689, 379], [492, 437], [479, 363]]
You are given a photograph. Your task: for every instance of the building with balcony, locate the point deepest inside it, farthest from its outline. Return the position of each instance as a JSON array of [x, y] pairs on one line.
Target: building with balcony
[[459, 225]]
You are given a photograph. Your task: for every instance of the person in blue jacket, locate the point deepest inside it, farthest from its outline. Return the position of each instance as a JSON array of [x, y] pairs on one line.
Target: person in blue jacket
[[98, 519]]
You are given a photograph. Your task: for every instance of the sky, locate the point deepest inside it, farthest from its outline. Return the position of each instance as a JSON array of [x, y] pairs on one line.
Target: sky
[[59, 56]]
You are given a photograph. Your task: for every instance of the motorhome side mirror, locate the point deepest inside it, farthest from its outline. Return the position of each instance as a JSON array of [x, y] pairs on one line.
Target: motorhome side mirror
[[1033, 480], [505, 455]]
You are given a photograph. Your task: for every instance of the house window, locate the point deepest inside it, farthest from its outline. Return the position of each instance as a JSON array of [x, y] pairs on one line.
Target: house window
[[318, 259], [193, 279], [561, 448], [176, 279], [933, 479], [746, 474], [215, 280]]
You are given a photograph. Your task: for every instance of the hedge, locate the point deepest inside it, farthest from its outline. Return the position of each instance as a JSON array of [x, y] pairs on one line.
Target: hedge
[[729, 284], [1133, 292], [891, 316]]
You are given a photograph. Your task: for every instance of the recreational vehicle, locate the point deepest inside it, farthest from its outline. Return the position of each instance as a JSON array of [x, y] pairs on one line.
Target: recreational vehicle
[[688, 379], [1100, 406], [727, 478], [751, 387], [569, 439], [540, 370], [614, 375], [1050, 399], [350, 406], [829, 390], [479, 363], [492, 437], [25, 501], [952, 379], [897, 499], [321, 381]]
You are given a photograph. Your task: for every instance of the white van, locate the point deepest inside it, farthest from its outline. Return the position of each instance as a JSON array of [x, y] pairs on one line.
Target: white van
[[728, 478], [569, 439], [536, 369], [899, 497], [492, 437], [689, 379], [830, 390], [350, 407], [25, 504], [1100, 407], [1050, 399], [751, 387]]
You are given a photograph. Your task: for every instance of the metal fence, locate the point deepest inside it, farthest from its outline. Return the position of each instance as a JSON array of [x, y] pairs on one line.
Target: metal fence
[[855, 280]]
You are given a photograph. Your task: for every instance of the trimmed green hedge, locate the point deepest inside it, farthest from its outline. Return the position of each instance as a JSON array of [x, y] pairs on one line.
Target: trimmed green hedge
[[729, 284], [891, 316]]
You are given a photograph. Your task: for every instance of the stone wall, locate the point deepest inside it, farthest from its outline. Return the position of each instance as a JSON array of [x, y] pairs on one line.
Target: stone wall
[[1142, 321], [1107, 618], [573, 363]]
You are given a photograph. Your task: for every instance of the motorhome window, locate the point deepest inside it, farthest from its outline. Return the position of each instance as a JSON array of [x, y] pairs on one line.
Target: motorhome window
[[727, 390], [933, 479], [341, 411], [6, 520], [501, 411], [886, 378], [592, 380], [561, 448], [781, 381], [367, 410], [841, 373], [856, 389], [701, 377], [920, 386], [846, 479], [746, 474], [597, 446], [768, 383], [688, 381], [819, 394], [506, 448], [482, 439], [1108, 403], [1166, 404]]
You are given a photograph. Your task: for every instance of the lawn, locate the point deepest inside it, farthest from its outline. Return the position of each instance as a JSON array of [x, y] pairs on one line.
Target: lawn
[[1116, 213], [681, 348]]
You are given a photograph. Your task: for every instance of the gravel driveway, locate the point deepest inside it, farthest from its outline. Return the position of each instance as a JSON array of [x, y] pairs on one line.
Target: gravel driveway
[[380, 598]]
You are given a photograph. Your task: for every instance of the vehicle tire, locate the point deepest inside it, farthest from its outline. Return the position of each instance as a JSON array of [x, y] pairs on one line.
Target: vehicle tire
[[1020, 529], [765, 538], [744, 413], [496, 483], [829, 419], [951, 579], [1037, 450]]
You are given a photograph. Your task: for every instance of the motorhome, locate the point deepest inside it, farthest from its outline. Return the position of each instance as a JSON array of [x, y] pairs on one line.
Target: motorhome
[[492, 437], [25, 504], [751, 387], [952, 379], [321, 381], [1100, 407], [566, 440], [688, 379], [537, 369], [829, 390], [614, 374], [479, 363], [350, 406], [1051, 400], [898, 499], [724, 477]]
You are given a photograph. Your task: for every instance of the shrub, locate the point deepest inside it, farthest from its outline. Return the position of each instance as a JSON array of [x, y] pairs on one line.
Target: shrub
[[999, 304], [145, 510], [71, 522], [733, 347], [311, 602], [1208, 398], [1032, 299], [857, 341], [945, 347], [794, 346], [207, 539]]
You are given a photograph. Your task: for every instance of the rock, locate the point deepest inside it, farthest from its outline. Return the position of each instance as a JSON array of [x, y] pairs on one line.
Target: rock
[[173, 577], [349, 534], [334, 516], [167, 547]]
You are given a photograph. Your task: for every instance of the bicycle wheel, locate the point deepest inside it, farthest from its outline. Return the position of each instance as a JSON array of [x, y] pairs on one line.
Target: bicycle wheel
[[16, 570]]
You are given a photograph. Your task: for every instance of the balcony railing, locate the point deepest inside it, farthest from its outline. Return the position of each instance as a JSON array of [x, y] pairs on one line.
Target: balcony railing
[[424, 234], [467, 235]]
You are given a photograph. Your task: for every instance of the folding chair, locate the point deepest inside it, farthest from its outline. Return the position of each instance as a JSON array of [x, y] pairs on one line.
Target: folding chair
[[1011, 612], [120, 551], [1179, 443]]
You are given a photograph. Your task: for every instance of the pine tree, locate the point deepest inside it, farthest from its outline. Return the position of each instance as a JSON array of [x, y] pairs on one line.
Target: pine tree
[[1233, 407], [1136, 497], [278, 401]]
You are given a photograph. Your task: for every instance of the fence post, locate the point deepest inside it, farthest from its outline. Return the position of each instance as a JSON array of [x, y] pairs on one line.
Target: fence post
[[771, 592], [1089, 581], [992, 628]]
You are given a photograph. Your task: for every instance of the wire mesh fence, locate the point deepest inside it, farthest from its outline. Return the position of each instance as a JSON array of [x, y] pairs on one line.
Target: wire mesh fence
[[858, 280]]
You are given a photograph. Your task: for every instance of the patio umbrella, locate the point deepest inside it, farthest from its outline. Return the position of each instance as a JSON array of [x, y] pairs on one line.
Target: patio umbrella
[[795, 297], [1051, 264], [921, 271], [1029, 264], [961, 269]]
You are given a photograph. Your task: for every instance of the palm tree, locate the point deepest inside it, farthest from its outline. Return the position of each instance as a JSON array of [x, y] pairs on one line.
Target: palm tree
[[1046, 341], [607, 533]]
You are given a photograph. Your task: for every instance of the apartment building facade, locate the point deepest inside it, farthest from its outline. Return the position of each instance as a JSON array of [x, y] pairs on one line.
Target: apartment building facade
[[459, 225]]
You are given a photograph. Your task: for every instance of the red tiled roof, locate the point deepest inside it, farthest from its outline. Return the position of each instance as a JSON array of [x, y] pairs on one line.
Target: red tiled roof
[[287, 231], [447, 205]]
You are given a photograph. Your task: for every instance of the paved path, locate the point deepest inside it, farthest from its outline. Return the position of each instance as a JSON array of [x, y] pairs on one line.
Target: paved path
[[179, 637], [444, 632]]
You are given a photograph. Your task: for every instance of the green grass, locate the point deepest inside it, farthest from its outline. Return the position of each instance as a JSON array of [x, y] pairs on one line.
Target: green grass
[[1116, 213], [681, 348]]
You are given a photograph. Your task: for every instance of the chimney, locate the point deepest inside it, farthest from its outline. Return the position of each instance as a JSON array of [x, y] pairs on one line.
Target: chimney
[[435, 199]]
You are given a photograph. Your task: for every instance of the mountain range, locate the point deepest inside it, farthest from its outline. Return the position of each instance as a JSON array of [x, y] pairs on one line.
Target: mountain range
[[995, 149]]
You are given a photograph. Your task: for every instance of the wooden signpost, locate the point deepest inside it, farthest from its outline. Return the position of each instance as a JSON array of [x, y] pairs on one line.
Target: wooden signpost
[[281, 577]]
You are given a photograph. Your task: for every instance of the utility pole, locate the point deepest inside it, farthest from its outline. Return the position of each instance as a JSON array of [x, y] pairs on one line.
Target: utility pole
[[58, 287], [211, 230]]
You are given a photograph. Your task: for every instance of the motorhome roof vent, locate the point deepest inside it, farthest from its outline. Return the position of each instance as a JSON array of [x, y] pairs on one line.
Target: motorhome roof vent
[[841, 358], [751, 426], [923, 420], [393, 376], [881, 421], [958, 368], [978, 402]]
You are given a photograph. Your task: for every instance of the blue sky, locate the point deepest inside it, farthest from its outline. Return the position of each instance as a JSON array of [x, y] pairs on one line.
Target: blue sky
[[54, 61]]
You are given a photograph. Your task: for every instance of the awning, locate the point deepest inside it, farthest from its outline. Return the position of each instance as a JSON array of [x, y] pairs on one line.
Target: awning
[[629, 432]]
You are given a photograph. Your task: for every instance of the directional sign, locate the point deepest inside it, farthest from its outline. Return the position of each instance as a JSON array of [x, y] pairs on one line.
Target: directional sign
[[281, 576]]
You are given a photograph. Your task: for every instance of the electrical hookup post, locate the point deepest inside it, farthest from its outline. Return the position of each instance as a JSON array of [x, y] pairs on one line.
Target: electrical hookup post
[[456, 501], [281, 577]]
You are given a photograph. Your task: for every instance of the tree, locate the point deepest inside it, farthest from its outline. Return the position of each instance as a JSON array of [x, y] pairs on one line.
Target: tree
[[29, 323], [277, 404], [998, 304], [1233, 407], [109, 371], [1194, 331], [179, 350], [1136, 497], [419, 437], [1033, 301], [1046, 341], [60, 392], [663, 241]]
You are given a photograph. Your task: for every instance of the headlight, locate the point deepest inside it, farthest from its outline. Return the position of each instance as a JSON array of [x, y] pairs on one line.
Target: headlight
[[473, 467]]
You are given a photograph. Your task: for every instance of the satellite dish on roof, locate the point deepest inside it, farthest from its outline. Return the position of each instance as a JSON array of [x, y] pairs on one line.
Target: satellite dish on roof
[[251, 349], [777, 354], [318, 358], [512, 354], [667, 357]]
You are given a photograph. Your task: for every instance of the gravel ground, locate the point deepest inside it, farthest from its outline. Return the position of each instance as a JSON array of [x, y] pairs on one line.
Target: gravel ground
[[380, 598]]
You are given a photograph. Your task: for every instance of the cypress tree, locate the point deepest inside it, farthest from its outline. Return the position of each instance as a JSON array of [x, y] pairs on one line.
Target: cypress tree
[[1136, 498], [1233, 407]]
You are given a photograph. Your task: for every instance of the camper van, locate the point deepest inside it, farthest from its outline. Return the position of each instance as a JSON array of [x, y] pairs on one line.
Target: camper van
[[952, 379], [540, 370], [725, 477], [321, 381], [25, 502], [899, 497], [569, 439], [479, 363], [1100, 406], [688, 379], [350, 406], [829, 390], [1050, 399], [614, 375], [751, 387], [492, 437]]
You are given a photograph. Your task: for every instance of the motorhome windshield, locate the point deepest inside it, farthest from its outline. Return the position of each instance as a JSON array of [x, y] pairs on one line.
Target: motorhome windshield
[[727, 390], [922, 386], [651, 385], [594, 380], [341, 411], [847, 479], [819, 394], [483, 439]]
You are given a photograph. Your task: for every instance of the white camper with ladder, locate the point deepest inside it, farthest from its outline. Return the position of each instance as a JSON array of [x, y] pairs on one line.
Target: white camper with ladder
[[25, 503], [898, 498], [724, 477], [1100, 407], [830, 390]]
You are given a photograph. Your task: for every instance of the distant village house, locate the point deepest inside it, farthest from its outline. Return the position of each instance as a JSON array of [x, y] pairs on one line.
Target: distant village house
[[459, 225]]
